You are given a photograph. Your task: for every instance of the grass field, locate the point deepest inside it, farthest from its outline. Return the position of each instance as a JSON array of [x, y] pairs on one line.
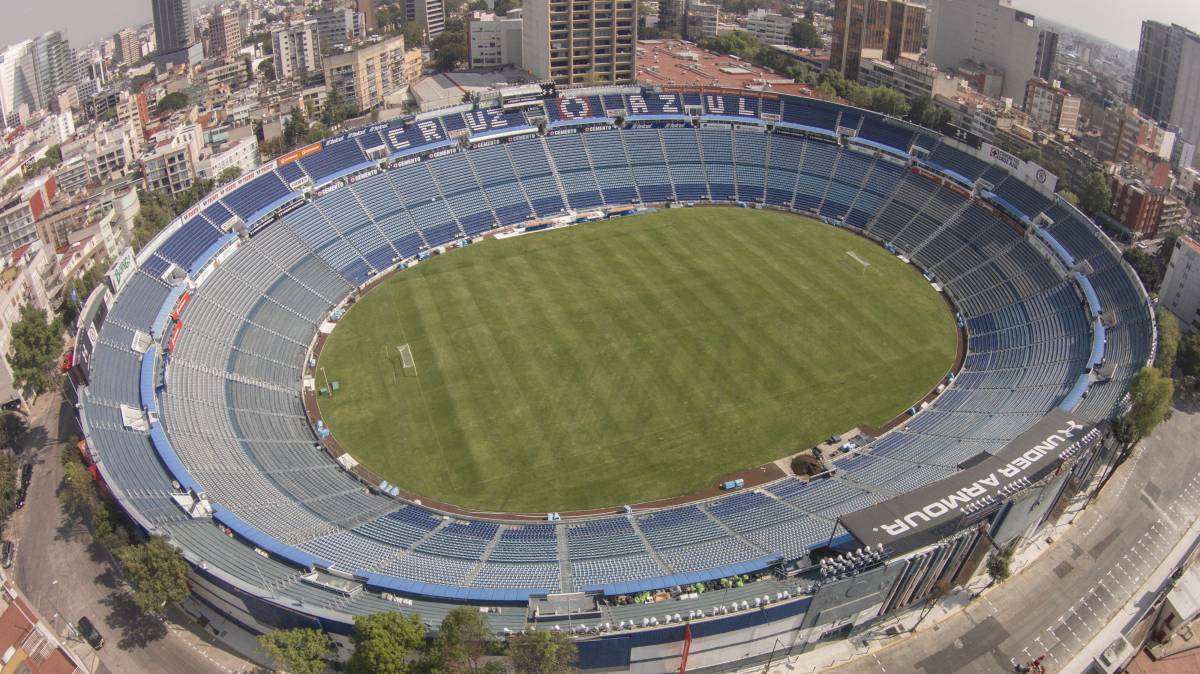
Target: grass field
[[628, 360]]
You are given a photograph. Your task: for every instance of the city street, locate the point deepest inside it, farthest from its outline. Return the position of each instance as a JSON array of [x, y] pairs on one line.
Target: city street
[[66, 575], [1066, 595]]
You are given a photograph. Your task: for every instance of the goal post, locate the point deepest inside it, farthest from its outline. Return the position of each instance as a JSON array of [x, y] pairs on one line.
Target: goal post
[[406, 358]]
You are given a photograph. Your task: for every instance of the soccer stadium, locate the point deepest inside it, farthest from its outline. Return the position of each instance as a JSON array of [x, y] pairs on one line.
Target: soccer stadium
[[549, 355]]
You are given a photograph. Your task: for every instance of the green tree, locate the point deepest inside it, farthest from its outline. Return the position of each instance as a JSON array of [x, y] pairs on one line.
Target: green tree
[[266, 70], [12, 427], [1095, 193], [999, 565], [1151, 395], [414, 35], [450, 46], [1168, 342], [1146, 266], [382, 642], [805, 35], [542, 652], [295, 129], [337, 109], [171, 102], [36, 347], [462, 640], [1188, 357], [229, 175], [158, 573], [1070, 196], [302, 650], [888, 101]]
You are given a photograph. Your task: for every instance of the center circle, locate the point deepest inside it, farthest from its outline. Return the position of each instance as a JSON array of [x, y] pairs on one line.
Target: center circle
[[628, 360]]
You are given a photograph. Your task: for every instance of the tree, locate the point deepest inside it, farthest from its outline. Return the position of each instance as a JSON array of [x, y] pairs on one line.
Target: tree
[[1168, 342], [382, 642], [414, 35], [542, 652], [888, 101], [229, 175], [172, 102], [1151, 395], [266, 70], [1188, 357], [462, 641], [999, 565], [337, 109], [12, 427], [295, 130], [1095, 193], [36, 347], [1146, 266], [805, 35], [1069, 196], [158, 573], [450, 46], [301, 650]]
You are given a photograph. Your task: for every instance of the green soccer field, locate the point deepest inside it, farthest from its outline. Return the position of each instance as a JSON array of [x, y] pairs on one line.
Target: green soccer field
[[628, 360]]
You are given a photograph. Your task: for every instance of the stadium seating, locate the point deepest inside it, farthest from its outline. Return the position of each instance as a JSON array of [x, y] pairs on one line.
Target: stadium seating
[[229, 401]]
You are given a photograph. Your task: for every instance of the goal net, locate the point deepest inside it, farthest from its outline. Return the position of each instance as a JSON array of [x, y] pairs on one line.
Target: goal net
[[406, 358]]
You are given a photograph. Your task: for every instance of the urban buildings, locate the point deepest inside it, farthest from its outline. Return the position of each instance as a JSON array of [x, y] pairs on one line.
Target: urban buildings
[[339, 26], [175, 33], [296, 50], [992, 33], [494, 41], [769, 27], [1180, 290], [580, 42], [429, 14], [27, 278], [18, 83], [874, 29], [224, 34], [21, 208], [367, 75], [1136, 206], [1166, 82], [127, 49], [702, 20], [367, 9], [1126, 132], [171, 159], [914, 79], [55, 67], [1051, 106]]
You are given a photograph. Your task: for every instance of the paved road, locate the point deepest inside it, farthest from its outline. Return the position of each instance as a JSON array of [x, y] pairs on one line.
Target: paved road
[[1060, 600], [64, 573]]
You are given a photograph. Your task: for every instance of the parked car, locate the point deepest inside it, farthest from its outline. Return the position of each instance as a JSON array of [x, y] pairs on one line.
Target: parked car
[[89, 632], [6, 554]]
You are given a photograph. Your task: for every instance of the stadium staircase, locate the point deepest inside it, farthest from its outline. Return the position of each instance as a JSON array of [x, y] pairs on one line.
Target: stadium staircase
[[649, 548], [837, 160], [958, 213], [663, 144], [566, 577], [520, 183], [562, 188], [316, 203]]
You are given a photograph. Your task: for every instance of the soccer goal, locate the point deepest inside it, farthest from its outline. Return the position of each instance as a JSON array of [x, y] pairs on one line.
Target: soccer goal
[[406, 359]]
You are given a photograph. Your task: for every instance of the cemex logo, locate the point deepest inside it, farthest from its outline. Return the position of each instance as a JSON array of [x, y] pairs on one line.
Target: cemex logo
[[1001, 474]]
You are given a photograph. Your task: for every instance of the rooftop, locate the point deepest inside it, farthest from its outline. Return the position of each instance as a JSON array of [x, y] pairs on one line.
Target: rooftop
[[662, 62]]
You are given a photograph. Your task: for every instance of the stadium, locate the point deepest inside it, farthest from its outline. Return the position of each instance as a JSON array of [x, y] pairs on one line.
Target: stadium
[[222, 407]]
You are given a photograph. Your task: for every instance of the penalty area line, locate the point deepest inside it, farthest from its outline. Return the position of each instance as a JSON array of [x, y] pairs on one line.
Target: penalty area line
[[859, 259]]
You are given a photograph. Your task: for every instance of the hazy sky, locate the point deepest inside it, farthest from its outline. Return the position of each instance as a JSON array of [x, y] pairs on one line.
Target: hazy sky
[[85, 20]]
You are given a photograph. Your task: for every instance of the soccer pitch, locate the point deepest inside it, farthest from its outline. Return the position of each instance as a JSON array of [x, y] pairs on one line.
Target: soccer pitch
[[628, 360]]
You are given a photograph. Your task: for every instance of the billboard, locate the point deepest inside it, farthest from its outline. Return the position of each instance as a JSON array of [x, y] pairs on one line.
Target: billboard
[[935, 511], [1030, 173]]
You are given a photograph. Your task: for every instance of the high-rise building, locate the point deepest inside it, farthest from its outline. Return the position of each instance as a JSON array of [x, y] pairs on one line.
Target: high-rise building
[[18, 83], [1180, 291], [340, 25], [702, 20], [1051, 106], [55, 66], [127, 49], [175, 33], [769, 27], [366, 76], [297, 51], [579, 41], [367, 9], [874, 29], [494, 41], [1135, 206], [1126, 131], [992, 33], [224, 34], [671, 15], [429, 14], [1166, 81]]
